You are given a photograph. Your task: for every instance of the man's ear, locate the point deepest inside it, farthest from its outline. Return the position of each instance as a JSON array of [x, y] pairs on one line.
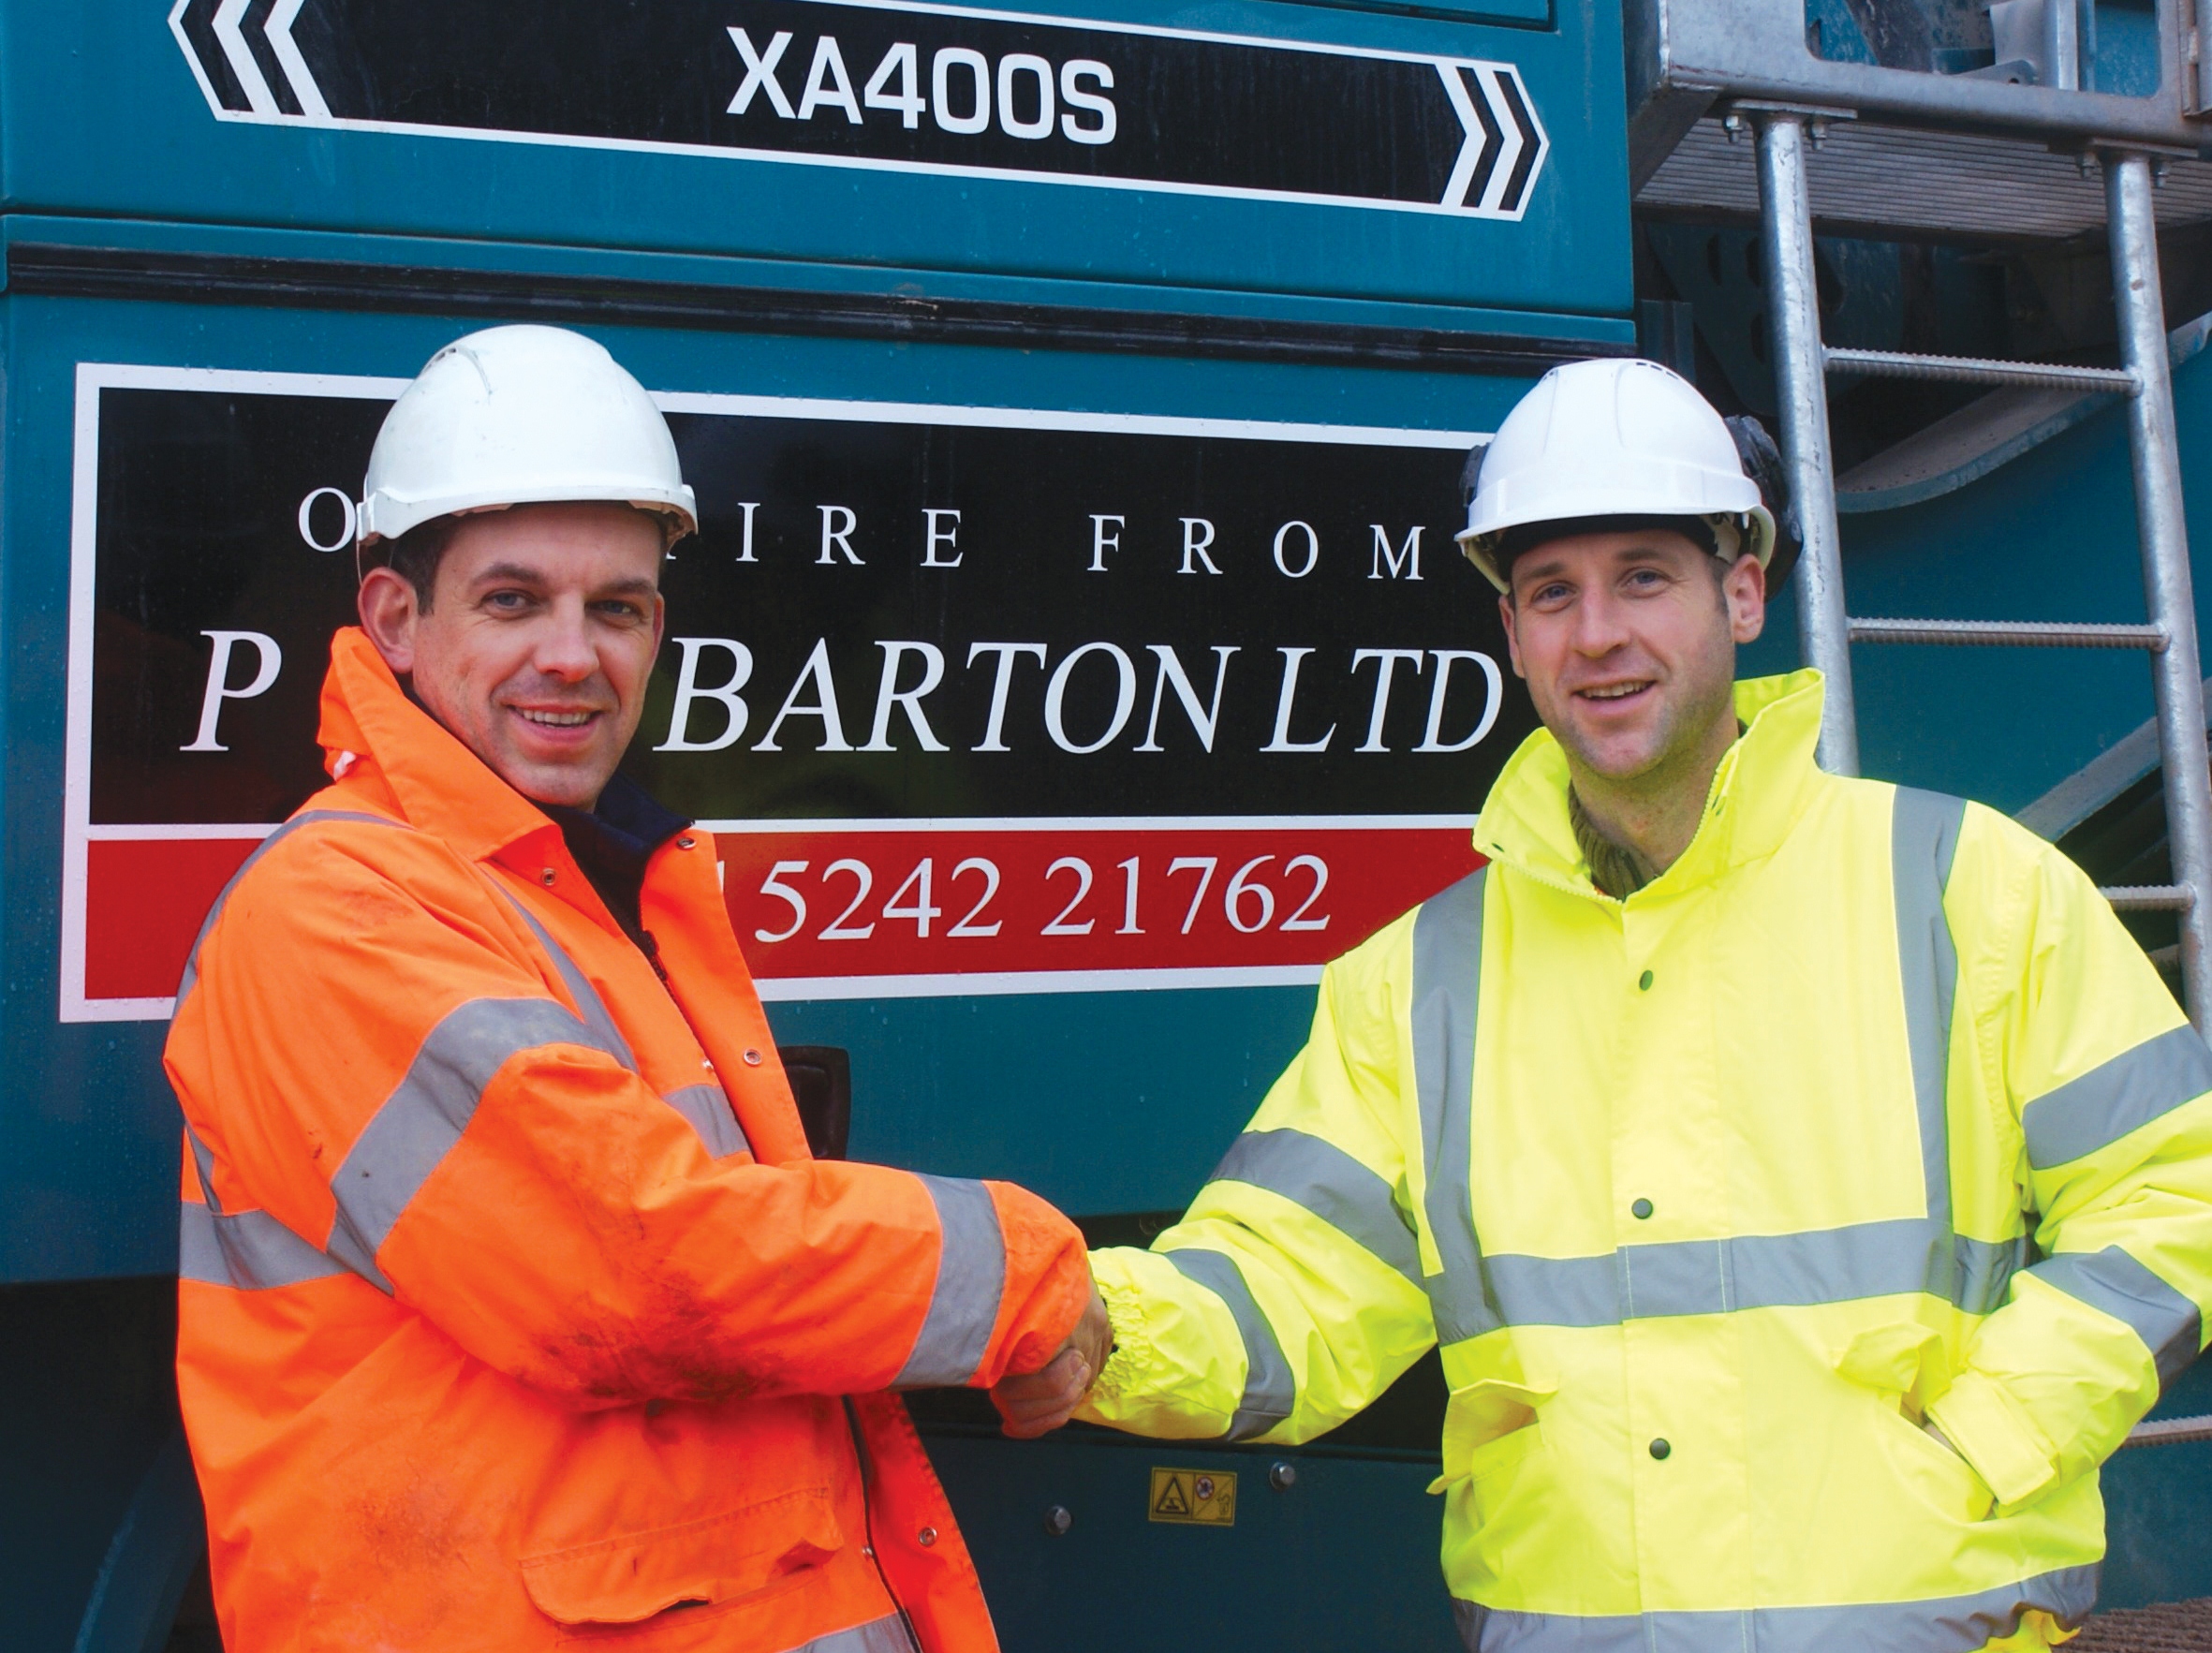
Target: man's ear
[[388, 613], [1743, 592], [1513, 641]]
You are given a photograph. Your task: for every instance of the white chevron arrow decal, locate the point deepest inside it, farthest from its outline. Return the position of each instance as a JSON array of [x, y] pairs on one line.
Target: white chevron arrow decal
[[241, 56], [295, 66]]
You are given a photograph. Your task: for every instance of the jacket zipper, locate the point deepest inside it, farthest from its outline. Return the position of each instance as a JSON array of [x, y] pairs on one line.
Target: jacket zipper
[[860, 1447]]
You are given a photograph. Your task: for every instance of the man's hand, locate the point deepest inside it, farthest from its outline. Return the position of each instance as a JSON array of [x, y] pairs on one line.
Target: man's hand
[[1040, 1402]]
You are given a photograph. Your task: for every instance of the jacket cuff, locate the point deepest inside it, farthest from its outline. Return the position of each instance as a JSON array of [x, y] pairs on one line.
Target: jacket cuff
[[1997, 1439], [1144, 1388], [1133, 1365]]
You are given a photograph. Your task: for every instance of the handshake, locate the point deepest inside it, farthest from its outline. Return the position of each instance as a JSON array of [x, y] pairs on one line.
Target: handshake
[[1036, 1403]]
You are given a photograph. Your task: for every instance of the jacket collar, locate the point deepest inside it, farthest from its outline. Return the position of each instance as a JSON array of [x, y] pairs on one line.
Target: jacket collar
[[1757, 795], [375, 738]]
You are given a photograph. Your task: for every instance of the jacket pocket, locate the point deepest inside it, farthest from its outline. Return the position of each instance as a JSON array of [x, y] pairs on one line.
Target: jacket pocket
[[1489, 1427], [1935, 1473], [706, 1563], [1898, 1369]]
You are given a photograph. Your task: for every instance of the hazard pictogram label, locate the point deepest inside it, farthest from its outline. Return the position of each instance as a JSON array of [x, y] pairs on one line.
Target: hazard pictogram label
[[1194, 1498]]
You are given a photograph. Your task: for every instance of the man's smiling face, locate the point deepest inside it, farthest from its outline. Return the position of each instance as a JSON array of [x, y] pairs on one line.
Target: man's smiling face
[[536, 647], [1627, 643]]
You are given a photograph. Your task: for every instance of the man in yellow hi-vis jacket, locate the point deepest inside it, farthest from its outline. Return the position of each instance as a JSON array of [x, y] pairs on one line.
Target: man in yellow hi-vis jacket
[[1808, 1179]]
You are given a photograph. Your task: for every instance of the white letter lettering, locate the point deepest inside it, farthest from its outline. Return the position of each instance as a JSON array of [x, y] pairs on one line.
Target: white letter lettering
[[979, 71], [1072, 73], [1055, 693], [1386, 664], [688, 690], [898, 61], [887, 694], [1293, 660], [827, 83], [761, 73], [933, 536], [1445, 660], [995, 726], [218, 681], [838, 537], [816, 672], [1171, 671], [1197, 535], [1407, 557]]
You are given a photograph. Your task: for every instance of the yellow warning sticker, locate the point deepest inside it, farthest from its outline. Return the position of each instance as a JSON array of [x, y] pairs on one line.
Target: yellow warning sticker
[[1194, 1498]]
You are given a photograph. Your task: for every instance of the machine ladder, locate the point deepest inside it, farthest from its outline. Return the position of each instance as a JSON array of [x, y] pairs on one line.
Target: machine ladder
[[1803, 362]]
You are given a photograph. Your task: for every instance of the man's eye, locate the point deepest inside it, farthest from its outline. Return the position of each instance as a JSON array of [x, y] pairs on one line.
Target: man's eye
[[624, 612], [1550, 593], [509, 602]]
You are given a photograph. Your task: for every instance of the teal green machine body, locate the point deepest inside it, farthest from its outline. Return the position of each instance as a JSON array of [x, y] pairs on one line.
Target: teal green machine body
[[1075, 653]]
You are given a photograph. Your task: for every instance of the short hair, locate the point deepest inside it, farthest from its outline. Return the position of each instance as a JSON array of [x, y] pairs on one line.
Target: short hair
[[415, 555]]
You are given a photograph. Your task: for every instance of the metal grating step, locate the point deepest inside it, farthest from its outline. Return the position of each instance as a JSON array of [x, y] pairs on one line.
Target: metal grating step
[[2171, 1627], [1888, 180], [1975, 370], [2058, 634]]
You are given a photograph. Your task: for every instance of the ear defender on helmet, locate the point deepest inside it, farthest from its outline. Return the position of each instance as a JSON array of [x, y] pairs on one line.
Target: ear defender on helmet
[[1762, 464]]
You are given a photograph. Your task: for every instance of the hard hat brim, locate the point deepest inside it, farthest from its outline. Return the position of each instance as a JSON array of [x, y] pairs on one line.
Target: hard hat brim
[[1480, 547]]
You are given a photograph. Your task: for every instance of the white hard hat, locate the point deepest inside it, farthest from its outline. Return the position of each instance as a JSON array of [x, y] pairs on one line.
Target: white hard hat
[[521, 416], [1613, 438]]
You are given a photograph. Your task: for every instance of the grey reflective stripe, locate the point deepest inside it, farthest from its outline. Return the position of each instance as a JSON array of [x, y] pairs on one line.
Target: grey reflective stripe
[[1270, 1392], [1924, 839], [1447, 974], [589, 1005], [887, 1634], [971, 1278], [2117, 1097], [200, 1156], [1752, 1271], [2112, 1280], [1332, 1184], [415, 1125], [1947, 1624], [707, 1107], [250, 1251], [1477, 1293], [205, 1162], [271, 842]]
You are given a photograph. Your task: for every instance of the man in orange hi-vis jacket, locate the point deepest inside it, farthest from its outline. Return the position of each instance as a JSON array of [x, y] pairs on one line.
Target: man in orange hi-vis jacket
[[513, 1310]]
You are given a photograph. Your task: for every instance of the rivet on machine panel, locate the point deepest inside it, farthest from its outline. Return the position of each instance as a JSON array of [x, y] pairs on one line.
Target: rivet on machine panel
[[1057, 1520], [1282, 1476]]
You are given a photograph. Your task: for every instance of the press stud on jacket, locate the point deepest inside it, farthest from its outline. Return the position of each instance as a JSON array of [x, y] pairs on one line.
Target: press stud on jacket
[[1867, 1111], [513, 1311]]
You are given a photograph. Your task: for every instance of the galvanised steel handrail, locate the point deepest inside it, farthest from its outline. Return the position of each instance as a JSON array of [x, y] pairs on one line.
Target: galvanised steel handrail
[[1802, 364]]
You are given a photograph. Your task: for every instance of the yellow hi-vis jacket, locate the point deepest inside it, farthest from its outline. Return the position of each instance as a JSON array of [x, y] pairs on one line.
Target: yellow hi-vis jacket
[[1867, 1111]]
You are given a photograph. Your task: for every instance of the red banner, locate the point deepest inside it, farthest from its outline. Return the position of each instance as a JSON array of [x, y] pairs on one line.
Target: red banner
[[839, 910]]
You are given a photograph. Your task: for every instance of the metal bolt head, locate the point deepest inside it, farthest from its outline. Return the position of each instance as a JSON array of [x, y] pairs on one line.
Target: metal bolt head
[[1057, 1520], [1817, 129], [1282, 1475], [1733, 125]]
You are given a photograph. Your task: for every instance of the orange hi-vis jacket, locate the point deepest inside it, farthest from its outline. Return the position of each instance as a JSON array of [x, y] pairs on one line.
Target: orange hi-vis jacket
[[514, 1313]]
